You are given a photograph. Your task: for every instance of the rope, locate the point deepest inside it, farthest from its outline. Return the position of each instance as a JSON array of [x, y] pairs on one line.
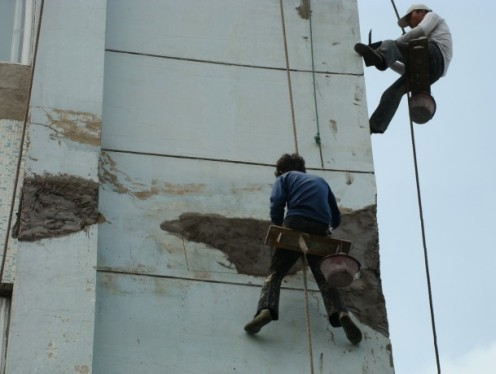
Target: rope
[[23, 138], [426, 261], [424, 242], [304, 249], [289, 75], [317, 135]]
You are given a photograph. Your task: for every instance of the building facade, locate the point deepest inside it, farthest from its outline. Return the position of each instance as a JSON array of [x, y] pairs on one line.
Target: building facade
[[138, 149]]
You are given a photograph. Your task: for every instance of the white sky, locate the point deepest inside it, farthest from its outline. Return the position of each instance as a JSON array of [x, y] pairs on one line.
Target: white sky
[[456, 158]]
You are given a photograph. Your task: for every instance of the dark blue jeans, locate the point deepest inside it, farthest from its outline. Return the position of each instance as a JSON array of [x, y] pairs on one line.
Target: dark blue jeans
[[391, 98], [284, 259]]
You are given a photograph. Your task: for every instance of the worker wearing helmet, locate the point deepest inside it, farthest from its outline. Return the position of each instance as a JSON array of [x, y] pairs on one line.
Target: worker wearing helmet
[[423, 22]]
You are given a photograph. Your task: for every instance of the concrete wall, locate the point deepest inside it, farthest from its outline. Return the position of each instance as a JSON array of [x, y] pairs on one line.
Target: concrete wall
[[197, 109], [53, 302], [162, 121]]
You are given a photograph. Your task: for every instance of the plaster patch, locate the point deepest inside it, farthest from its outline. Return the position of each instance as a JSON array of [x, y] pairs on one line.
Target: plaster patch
[[56, 205], [242, 241]]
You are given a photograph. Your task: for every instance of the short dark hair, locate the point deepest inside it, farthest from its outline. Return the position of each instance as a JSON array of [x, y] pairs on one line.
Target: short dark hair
[[290, 162]]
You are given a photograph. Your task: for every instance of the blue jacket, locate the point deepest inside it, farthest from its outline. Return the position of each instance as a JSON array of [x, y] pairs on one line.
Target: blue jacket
[[304, 195]]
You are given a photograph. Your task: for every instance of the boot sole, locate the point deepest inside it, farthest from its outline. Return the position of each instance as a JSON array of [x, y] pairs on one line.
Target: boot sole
[[370, 57]]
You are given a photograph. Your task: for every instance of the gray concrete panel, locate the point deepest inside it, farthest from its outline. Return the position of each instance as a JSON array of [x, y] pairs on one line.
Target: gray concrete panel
[[171, 107], [156, 325], [53, 306], [239, 32], [195, 109]]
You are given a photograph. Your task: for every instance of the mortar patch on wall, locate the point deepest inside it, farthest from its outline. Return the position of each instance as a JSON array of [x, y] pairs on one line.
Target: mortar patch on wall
[[56, 205], [242, 241]]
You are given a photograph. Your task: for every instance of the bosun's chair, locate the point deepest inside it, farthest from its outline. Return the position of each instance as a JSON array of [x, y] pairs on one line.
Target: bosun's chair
[[339, 268], [422, 105]]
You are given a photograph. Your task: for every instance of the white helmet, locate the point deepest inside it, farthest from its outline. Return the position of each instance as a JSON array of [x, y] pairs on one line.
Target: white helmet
[[403, 21]]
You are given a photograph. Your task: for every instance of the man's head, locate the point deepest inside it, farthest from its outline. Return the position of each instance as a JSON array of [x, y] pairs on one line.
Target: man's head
[[414, 15], [288, 162]]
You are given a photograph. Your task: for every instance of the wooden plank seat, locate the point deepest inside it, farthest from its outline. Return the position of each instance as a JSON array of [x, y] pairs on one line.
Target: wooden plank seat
[[282, 237]]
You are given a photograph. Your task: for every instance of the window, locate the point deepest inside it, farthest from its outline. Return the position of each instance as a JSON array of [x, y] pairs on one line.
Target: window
[[17, 20]]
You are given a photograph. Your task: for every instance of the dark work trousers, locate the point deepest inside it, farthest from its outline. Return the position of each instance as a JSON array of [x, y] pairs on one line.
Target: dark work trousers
[[284, 259], [391, 98]]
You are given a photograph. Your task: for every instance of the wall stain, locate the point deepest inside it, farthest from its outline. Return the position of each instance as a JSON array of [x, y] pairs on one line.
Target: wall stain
[[242, 241], [56, 205], [112, 176], [333, 126], [80, 127], [81, 369], [304, 9]]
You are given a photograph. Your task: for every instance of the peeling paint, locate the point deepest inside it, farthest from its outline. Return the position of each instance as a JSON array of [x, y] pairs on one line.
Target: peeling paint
[[56, 205], [304, 9], [80, 127], [242, 241]]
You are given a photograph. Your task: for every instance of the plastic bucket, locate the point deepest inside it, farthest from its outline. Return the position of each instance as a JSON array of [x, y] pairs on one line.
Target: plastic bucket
[[339, 269], [422, 107]]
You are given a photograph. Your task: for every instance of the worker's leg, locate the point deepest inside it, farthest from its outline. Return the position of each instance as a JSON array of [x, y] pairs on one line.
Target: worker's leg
[[282, 261], [436, 63], [330, 295], [336, 310], [390, 100], [268, 304], [392, 51]]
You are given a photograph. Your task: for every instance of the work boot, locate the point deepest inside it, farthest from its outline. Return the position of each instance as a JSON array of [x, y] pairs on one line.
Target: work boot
[[260, 320], [370, 57], [351, 330]]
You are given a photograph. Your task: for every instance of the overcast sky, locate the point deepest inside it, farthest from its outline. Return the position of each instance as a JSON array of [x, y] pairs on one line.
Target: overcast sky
[[457, 170]]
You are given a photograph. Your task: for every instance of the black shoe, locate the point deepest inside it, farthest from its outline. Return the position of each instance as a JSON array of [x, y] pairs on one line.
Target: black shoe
[[370, 57], [260, 320], [351, 330]]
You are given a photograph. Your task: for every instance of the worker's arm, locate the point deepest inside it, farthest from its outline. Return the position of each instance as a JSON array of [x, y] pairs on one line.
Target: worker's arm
[[429, 22], [335, 213], [278, 200]]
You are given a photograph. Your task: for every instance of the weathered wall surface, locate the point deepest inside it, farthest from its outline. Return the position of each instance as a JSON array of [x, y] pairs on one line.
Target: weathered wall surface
[[14, 90], [53, 303], [197, 109]]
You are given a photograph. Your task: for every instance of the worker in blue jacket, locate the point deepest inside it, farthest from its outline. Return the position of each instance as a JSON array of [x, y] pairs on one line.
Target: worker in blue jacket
[[310, 207]]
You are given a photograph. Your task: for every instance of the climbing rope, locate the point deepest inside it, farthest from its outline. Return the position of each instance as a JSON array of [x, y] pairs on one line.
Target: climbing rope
[[424, 242], [317, 135], [304, 249], [23, 138], [291, 101]]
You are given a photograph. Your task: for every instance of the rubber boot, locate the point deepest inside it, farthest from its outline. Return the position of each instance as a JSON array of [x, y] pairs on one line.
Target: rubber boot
[[260, 320]]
